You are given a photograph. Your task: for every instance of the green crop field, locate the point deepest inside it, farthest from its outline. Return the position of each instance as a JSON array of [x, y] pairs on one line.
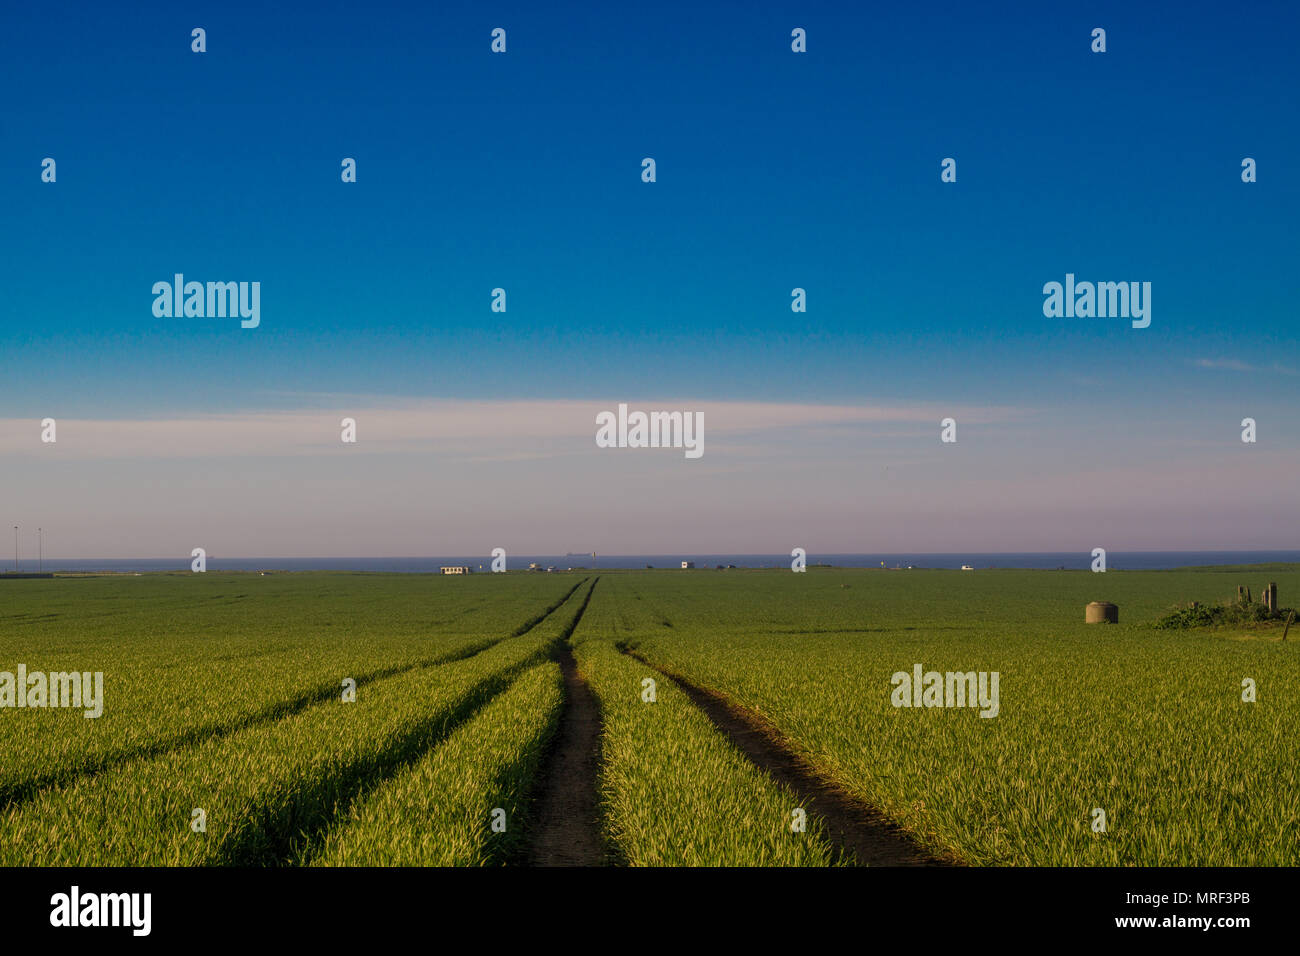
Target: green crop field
[[332, 719]]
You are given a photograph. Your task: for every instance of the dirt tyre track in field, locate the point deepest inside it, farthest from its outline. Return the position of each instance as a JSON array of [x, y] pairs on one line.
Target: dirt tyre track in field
[[853, 826], [567, 811]]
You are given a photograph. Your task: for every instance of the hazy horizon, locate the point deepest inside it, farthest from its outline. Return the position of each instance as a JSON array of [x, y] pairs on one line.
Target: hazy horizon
[[485, 558]]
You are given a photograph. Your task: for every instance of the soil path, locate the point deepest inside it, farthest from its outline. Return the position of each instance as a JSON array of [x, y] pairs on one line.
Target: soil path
[[566, 831], [853, 826]]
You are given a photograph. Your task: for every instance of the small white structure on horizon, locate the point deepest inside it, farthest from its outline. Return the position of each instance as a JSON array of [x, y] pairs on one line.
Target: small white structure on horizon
[[687, 564], [462, 569], [967, 567]]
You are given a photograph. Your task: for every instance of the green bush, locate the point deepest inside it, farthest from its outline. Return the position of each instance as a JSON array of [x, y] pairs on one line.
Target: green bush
[[1221, 615]]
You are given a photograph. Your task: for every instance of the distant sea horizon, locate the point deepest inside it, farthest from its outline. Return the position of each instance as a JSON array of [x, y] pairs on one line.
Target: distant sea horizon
[[1069, 560]]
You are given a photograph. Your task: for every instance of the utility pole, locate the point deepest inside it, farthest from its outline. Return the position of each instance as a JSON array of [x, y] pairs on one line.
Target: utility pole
[[15, 549], [40, 551]]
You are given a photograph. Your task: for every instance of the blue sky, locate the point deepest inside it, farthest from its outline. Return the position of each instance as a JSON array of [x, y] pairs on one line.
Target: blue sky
[[775, 170]]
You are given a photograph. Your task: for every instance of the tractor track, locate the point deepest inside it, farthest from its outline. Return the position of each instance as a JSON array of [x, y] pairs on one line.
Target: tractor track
[[566, 812], [857, 829]]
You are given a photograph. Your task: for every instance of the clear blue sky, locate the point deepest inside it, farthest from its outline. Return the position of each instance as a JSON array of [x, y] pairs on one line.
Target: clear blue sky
[[775, 170]]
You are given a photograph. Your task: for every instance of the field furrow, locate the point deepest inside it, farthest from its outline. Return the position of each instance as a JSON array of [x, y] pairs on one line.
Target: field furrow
[[674, 791], [464, 803]]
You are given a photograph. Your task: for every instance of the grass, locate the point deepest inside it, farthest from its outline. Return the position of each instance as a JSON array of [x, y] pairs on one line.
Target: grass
[[439, 811], [1147, 725], [188, 658], [223, 693], [269, 790], [674, 791]]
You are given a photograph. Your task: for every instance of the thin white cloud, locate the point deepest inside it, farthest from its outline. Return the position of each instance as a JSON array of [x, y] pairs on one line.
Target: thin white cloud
[[501, 430], [1235, 365]]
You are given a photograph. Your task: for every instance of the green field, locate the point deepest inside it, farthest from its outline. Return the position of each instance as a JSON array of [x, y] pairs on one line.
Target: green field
[[224, 693]]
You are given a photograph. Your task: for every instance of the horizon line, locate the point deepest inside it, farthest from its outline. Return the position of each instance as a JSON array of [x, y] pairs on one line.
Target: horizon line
[[662, 554]]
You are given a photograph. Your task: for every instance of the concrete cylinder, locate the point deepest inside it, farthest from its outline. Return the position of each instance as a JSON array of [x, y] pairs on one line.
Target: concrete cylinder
[[1101, 612]]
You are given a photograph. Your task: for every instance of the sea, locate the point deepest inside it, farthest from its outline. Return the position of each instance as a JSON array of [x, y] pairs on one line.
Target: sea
[[1069, 560]]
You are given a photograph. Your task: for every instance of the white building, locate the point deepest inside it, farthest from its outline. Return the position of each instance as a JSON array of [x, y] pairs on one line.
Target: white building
[[687, 564], [457, 570]]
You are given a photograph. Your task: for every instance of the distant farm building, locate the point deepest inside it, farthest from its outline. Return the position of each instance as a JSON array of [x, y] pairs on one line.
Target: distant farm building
[[687, 564], [460, 569]]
